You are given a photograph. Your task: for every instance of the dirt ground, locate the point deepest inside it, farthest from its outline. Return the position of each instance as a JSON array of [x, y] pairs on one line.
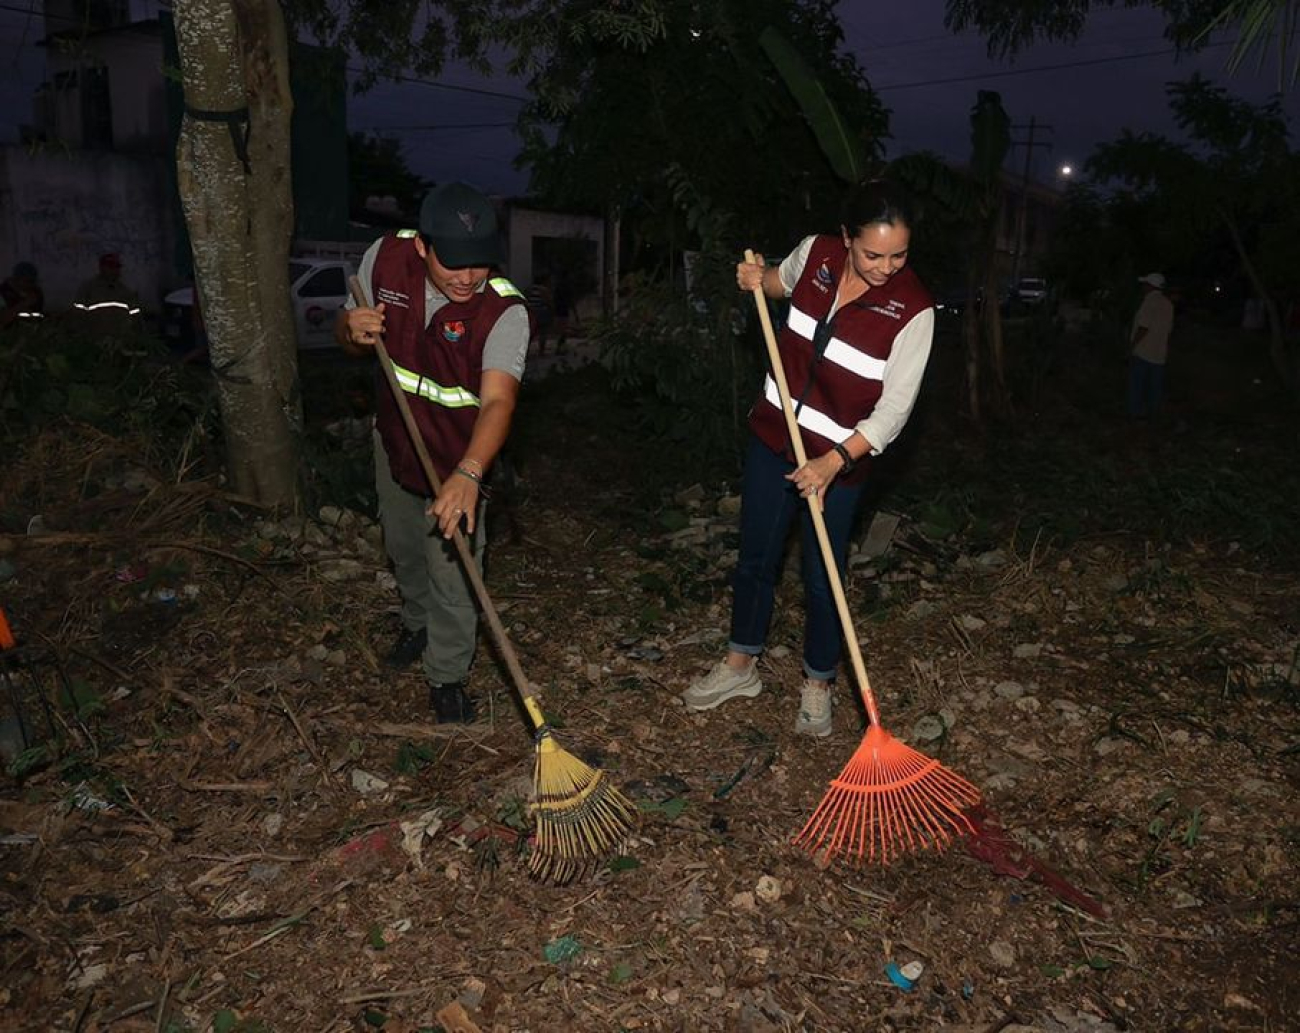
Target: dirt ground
[[246, 823]]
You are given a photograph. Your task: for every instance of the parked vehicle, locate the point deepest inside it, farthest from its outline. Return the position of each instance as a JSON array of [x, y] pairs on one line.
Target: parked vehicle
[[1029, 291], [318, 287], [953, 302]]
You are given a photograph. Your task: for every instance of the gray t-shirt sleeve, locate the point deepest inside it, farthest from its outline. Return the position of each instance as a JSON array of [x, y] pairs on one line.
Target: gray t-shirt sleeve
[[364, 271], [506, 347]]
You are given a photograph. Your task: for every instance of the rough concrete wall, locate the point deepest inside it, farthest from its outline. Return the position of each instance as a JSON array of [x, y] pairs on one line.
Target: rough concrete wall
[[136, 91], [63, 210], [526, 223]]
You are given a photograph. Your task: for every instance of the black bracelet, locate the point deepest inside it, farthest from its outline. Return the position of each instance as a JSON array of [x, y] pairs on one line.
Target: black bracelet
[[849, 461]]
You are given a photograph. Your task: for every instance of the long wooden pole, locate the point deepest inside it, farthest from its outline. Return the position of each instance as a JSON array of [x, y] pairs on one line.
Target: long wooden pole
[[502, 640], [814, 505]]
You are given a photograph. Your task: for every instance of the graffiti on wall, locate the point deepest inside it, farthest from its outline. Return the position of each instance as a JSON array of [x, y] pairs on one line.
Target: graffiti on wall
[[65, 213]]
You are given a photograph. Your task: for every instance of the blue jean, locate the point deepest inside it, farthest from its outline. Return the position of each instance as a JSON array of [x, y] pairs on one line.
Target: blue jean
[[768, 504], [1146, 387]]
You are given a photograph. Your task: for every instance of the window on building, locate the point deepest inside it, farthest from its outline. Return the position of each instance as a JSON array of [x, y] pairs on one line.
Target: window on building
[[96, 109]]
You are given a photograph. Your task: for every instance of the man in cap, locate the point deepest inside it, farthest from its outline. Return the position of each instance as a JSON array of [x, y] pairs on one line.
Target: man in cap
[[108, 306], [458, 338], [1149, 339], [21, 297]]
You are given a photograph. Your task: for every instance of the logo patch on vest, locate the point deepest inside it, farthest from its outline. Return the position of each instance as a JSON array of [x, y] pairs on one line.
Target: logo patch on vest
[[453, 331], [824, 278]]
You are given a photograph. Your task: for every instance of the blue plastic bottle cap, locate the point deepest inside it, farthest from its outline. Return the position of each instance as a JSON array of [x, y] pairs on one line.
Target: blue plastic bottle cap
[[896, 977]]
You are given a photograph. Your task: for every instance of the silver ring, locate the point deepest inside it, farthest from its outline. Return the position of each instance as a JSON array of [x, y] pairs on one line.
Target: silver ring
[[460, 511], [812, 491]]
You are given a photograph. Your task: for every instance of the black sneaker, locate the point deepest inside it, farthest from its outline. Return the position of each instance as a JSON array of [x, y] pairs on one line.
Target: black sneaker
[[408, 648], [451, 703]]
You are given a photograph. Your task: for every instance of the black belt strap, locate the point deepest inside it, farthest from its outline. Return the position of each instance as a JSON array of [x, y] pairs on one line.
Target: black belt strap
[[233, 119]]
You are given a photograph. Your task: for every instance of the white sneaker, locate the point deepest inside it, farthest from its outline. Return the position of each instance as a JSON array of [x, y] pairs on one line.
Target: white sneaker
[[814, 710], [721, 684]]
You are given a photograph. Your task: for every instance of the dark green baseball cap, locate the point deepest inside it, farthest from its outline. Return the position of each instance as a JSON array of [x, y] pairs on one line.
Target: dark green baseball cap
[[462, 225]]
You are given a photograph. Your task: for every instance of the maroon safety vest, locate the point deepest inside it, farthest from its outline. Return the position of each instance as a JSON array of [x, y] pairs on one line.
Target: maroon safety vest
[[440, 369], [839, 388]]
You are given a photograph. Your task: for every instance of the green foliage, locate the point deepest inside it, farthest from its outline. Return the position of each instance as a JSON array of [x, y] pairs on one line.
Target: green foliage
[[31, 759], [1172, 829], [832, 135], [692, 89], [124, 385], [227, 1021], [413, 757], [513, 813], [1261, 25], [377, 168], [671, 809], [620, 973], [1233, 188], [81, 698], [680, 382]]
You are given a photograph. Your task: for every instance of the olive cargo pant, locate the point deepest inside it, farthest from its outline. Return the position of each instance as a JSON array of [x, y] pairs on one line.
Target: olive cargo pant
[[435, 593]]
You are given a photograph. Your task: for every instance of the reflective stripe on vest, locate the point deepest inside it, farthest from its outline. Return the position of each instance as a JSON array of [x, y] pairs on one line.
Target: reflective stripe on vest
[[809, 418], [106, 304], [505, 288], [837, 351], [430, 390]]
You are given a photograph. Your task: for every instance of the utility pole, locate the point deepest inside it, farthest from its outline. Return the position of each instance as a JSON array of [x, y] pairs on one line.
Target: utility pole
[[1029, 144]]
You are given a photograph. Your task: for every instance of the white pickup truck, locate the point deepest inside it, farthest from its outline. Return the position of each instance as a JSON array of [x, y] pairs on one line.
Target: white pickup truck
[[318, 286]]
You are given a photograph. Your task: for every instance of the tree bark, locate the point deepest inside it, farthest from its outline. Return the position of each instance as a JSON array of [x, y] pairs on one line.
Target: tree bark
[[234, 55], [999, 393], [970, 339], [1282, 363]]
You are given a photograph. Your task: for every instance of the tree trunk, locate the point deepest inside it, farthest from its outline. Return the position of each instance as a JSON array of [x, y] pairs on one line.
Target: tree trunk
[[1277, 352], [999, 394], [234, 55], [970, 343]]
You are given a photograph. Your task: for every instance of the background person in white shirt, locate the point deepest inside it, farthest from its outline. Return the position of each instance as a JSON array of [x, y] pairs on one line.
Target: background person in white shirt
[[1149, 339]]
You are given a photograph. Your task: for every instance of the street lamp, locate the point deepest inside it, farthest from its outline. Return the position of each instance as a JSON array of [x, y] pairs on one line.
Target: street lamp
[[1066, 171]]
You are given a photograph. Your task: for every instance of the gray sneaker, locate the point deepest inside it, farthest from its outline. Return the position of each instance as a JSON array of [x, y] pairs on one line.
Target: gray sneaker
[[814, 710], [720, 685]]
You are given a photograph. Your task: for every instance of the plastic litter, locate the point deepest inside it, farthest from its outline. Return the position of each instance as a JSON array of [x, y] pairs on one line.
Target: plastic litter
[[904, 977]]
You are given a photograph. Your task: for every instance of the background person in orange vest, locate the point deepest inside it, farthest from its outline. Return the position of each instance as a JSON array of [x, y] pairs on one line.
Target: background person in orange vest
[[458, 337], [854, 349]]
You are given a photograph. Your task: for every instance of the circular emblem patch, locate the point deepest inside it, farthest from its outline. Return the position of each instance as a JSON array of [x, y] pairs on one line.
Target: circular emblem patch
[[453, 331]]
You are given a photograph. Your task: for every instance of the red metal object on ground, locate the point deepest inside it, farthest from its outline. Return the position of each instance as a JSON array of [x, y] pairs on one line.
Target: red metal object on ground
[[991, 843]]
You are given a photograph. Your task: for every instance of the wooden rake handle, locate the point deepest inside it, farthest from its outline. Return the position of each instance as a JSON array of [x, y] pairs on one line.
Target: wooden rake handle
[[526, 694], [814, 503]]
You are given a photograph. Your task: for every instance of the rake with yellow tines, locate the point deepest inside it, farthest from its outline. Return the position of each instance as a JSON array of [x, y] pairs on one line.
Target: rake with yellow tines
[[580, 814], [890, 798]]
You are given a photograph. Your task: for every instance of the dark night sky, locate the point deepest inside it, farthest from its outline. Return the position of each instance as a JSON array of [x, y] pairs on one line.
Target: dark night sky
[[1087, 91]]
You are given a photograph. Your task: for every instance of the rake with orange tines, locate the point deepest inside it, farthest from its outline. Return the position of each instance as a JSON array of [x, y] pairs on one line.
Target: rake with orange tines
[[890, 798]]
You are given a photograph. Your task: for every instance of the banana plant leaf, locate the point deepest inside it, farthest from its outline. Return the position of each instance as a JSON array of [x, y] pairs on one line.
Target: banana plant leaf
[[821, 114]]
